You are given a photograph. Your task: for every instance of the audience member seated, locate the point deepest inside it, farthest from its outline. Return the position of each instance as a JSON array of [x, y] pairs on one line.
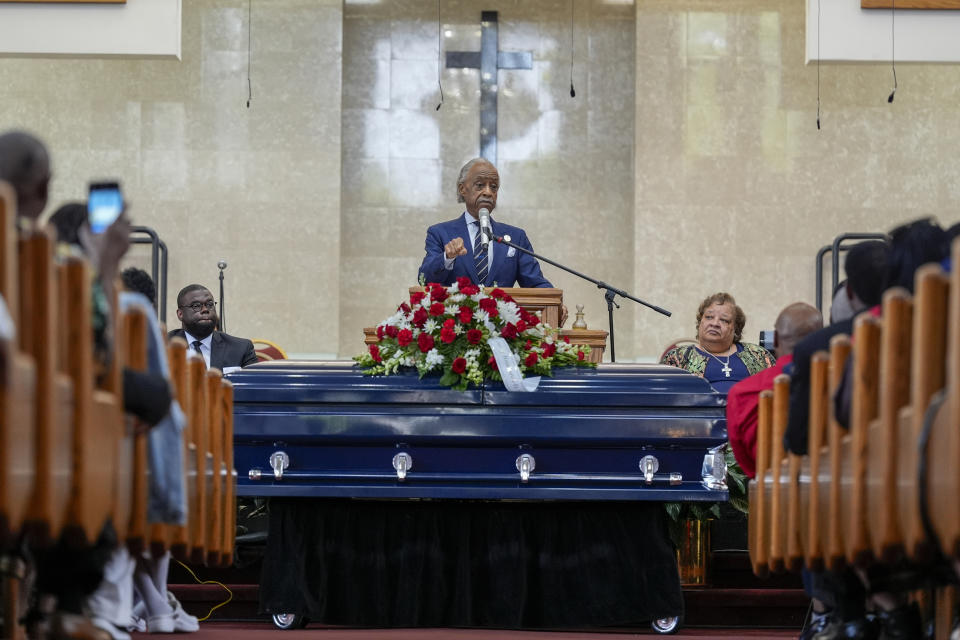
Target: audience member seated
[[865, 265], [794, 323], [719, 354], [198, 318], [25, 165]]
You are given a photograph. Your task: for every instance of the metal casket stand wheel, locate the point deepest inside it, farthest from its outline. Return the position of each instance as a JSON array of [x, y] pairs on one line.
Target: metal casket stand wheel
[[666, 625], [287, 621]]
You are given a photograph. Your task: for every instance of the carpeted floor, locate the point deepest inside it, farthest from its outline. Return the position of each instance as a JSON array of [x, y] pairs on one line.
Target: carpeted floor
[[250, 631]]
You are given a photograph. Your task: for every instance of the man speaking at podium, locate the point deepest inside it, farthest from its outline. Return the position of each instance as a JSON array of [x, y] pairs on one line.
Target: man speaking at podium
[[456, 248]]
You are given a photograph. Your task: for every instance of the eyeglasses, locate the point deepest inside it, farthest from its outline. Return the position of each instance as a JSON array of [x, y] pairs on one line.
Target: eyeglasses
[[199, 306]]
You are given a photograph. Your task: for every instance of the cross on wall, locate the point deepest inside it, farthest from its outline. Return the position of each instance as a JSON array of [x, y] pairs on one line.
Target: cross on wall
[[488, 60]]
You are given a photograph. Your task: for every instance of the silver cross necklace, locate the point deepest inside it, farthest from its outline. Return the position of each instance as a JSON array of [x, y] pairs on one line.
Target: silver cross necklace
[[726, 363]]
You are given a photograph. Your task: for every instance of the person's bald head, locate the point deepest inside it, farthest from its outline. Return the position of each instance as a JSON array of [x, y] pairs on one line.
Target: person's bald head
[[25, 164], [794, 323]]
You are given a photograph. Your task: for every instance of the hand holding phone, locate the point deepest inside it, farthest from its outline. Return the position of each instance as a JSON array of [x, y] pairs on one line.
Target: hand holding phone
[[104, 205]]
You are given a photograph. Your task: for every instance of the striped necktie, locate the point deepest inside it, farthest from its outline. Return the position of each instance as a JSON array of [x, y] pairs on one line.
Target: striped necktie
[[480, 257]]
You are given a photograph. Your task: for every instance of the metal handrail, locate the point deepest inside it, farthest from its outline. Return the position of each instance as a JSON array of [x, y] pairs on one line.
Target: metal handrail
[[158, 264]]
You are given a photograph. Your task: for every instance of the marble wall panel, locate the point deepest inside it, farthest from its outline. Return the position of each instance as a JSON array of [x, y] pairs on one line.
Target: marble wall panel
[[258, 187], [566, 164], [736, 189]]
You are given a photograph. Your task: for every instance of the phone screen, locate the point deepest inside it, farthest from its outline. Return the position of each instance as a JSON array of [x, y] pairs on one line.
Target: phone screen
[[104, 205]]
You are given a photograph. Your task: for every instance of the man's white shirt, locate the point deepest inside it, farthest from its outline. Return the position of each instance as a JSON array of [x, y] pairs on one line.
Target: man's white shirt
[[473, 226], [205, 346]]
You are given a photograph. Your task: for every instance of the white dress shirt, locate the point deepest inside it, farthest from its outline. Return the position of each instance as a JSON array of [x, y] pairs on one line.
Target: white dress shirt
[[205, 345]]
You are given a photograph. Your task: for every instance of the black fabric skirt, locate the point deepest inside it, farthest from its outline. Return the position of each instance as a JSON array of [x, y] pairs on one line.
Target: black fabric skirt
[[470, 564]]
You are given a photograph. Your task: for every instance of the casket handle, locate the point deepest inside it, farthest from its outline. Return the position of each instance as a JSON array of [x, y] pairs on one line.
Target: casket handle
[[402, 462], [279, 461], [525, 465], [649, 466]]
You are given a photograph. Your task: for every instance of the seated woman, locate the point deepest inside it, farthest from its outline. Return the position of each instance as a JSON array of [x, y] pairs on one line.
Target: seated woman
[[719, 355]]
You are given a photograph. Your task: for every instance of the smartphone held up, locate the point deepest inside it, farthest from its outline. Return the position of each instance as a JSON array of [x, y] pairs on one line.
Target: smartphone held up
[[104, 205]]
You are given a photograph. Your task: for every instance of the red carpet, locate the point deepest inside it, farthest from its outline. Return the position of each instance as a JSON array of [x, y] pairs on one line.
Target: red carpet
[[249, 631]]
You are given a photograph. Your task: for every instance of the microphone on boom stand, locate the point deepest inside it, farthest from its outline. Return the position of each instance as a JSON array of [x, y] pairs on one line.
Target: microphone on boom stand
[[222, 264]]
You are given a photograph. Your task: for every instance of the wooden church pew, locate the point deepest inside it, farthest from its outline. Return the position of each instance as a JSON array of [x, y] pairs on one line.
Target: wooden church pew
[[180, 542], [778, 474], [894, 394], [758, 529], [866, 357], [91, 500], [230, 480], [814, 464], [830, 513], [928, 374], [197, 451], [943, 448], [134, 439], [214, 545], [18, 394], [54, 401]]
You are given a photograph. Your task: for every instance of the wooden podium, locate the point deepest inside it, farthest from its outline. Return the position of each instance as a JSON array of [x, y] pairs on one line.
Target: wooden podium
[[548, 302]]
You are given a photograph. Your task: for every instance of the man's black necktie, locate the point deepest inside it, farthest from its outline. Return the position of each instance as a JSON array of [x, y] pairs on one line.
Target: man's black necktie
[[480, 257], [196, 347]]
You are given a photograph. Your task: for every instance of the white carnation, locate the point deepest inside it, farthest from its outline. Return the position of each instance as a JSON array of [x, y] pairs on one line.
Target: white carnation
[[509, 311], [434, 357], [430, 326]]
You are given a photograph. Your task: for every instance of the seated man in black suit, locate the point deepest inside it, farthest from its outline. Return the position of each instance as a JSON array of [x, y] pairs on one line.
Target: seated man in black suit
[[198, 317]]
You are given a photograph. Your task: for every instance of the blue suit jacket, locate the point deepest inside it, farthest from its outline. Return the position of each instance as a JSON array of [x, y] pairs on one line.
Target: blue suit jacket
[[509, 265]]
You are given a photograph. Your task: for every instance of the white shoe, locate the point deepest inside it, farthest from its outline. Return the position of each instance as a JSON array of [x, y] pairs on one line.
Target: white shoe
[[137, 624], [164, 623], [183, 621]]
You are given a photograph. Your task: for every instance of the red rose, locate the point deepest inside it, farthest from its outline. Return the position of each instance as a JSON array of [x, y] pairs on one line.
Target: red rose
[[448, 323], [580, 355], [566, 339], [425, 342], [531, 359], [549, 349], [474, 336], [507, 298], [508, 331], [459, 365], [466, 314], [498, 293], [379, 332], [528, 345], [521, 326], [404, 307], [447, 335], [437, 309], [375, 353], [470, 290], [490, 306], [493, 363], [438, 293], [391, 331], [419, 316], [462, 282], [417, 297], [404, 337], [529, 318]]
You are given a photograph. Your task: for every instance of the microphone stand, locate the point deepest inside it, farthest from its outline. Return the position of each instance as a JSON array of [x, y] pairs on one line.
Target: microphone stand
[[610, 292], [223, 324]]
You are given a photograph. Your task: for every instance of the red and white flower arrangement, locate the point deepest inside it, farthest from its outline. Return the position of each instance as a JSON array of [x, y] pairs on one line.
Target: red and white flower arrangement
[[445, 330]]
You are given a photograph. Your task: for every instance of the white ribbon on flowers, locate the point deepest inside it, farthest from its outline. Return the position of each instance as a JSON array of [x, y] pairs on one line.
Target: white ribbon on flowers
[[506, 359]]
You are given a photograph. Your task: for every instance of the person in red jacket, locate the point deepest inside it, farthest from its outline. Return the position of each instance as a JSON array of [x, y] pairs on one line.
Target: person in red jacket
[[794, 323]]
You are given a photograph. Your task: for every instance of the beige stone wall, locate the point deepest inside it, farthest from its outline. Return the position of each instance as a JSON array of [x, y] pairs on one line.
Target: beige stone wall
[[688, 163], [565, 163], [736, 189], [258, 187]]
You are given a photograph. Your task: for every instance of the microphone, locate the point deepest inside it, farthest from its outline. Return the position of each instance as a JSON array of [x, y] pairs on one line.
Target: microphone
[[221, 264], [486, 233]]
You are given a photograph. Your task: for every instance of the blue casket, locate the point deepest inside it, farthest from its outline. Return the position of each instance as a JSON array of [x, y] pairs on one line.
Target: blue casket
[[617, 432]]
